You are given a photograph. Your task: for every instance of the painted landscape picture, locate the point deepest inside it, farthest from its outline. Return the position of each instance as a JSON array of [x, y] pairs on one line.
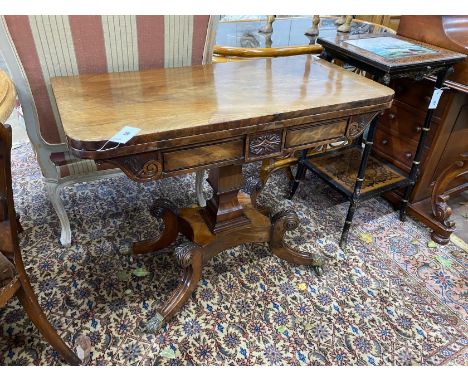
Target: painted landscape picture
[[390, 47]]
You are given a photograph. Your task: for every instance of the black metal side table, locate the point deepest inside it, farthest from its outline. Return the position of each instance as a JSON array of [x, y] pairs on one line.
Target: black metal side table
[[384, 56]]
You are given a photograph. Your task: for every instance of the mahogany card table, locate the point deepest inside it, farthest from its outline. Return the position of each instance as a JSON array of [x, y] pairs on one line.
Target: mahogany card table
[[215, 117]]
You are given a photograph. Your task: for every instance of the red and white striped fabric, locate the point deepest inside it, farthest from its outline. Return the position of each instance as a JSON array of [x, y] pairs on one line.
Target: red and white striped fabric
[[50, 46]]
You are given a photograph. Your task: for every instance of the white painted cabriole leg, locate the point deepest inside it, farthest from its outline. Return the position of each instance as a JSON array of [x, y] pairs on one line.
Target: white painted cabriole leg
[[53, 191], [199, 188]]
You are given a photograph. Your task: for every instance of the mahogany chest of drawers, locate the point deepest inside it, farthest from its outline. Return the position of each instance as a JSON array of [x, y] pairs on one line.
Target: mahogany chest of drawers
[[398, 130]]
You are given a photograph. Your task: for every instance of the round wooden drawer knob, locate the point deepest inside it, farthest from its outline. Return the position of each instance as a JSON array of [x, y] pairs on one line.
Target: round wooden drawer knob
[[391, 115], [408, 155], [384, 141]]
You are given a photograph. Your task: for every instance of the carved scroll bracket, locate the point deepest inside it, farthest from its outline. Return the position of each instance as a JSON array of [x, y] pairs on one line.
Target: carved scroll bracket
[[141, 167], [358, 123], [439, 199]]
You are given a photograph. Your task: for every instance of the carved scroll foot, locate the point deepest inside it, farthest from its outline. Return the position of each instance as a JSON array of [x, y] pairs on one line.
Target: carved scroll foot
[[165, 209], [286, 221], [190, 258]]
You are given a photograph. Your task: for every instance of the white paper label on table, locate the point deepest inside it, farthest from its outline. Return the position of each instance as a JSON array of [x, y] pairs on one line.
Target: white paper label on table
[[435, 98], [125, 134]]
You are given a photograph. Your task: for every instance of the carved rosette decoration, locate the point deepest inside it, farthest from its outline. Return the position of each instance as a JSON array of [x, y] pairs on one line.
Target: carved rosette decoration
[[358, 123], [184, 253], [287, 219], [265, 144]]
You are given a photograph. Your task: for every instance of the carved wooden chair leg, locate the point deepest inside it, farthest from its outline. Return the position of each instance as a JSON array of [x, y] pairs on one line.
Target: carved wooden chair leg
[[31, 306], [287, 221], [53, 191], [165, 209], [190, 257]]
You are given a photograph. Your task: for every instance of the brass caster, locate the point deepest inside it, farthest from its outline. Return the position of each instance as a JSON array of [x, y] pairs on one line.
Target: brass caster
[[154, 324]]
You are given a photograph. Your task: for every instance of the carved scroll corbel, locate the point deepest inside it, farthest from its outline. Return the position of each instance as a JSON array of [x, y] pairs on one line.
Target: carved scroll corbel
[[358, 123], [439, 199], [442, 211], [140, 167]]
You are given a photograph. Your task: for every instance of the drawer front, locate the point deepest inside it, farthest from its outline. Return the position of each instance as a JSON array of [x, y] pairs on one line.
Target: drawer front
[[403, 121], [395, 148], [418, 94], [203, 155], [307, 134]]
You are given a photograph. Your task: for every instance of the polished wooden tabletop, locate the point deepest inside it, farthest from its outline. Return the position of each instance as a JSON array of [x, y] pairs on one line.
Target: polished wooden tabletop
[[178, 102]]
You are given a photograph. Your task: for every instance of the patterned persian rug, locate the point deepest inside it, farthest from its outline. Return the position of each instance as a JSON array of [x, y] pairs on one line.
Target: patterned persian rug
[[394, 298]]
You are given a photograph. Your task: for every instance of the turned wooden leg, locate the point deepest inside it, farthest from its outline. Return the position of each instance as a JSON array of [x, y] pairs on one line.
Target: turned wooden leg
[[314, 29], [34, 311], [369, 141], [268, 27], [413, 175], [300, 174], [190, 258], [165, 209], [287, 221], [346, 26]]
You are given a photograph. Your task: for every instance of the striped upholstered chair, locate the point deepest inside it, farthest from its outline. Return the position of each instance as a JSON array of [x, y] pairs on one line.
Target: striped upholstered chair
[[37, 48]]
